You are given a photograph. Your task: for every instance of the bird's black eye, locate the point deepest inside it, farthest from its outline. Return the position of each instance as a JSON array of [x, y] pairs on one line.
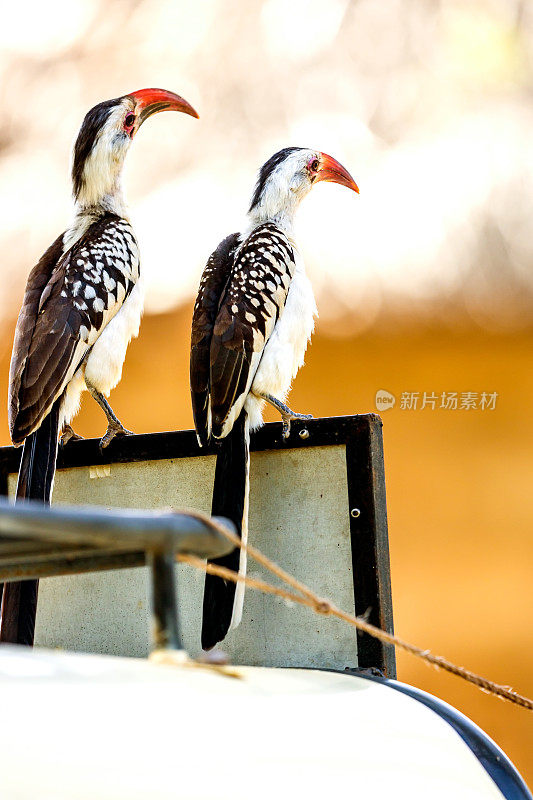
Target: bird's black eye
[[314, 165], [130, 119]]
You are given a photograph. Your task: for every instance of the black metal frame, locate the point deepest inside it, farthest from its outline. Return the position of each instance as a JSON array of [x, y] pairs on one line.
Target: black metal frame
[[361, 435]]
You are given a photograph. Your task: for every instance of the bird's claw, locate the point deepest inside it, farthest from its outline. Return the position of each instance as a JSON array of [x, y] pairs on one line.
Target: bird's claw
[[113, 430], [68, 435], [286, 422]]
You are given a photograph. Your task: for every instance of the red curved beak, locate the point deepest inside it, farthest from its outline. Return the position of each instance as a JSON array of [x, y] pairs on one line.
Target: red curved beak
[[331, 170], [151, 101]]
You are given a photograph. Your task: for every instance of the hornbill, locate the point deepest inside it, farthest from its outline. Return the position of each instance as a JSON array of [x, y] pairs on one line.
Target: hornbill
[[81, 308], [253, 317]]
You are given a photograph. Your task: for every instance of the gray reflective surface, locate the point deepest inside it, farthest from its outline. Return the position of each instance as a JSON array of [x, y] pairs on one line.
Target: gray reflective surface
[[299, 516]]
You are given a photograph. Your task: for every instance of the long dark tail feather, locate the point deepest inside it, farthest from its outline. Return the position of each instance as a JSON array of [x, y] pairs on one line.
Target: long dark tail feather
[[222, 602], [35, 482]]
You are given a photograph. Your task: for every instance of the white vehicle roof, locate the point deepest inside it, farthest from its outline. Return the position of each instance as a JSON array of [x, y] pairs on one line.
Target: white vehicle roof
[[85, 727]]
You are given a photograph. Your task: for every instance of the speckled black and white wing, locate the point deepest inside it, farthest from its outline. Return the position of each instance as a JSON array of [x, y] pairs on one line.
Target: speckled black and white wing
[[212, 287], [70, 297], [253, 300]]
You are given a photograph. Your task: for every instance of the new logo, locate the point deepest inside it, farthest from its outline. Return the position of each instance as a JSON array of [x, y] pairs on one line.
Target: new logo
[[384, 400]]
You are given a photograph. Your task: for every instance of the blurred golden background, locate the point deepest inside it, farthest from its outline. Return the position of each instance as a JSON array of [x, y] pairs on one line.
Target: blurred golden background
[[424, 282]]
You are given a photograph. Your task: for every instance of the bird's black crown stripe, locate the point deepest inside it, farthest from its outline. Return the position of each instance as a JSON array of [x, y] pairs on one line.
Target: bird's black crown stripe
[[267, 169], [91, 125]]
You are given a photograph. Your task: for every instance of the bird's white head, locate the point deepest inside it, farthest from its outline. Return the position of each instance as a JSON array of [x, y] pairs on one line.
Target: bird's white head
[[104, 139], [286, 178]]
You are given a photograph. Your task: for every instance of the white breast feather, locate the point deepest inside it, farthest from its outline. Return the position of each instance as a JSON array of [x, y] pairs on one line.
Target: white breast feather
[[103, 368], [285, 350], [71, 398], [104, 365]]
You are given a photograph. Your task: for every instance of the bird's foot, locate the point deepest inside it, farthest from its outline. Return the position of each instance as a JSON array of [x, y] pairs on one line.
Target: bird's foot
[[114, 429], [287, 419], [68, 435], [287, 414]]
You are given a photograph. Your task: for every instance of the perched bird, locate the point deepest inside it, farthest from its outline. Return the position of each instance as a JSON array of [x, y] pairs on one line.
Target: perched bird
[[81, 308], [253, 317]]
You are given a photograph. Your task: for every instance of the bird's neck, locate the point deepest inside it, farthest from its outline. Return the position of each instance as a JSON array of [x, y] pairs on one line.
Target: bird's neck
[[110, 203], [100, 188], [278, 210], [89, 209], [94, 199], [282, 220]]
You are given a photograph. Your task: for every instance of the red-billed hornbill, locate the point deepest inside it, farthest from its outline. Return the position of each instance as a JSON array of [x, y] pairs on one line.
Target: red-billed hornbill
[[81, 308], [253, 317]]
